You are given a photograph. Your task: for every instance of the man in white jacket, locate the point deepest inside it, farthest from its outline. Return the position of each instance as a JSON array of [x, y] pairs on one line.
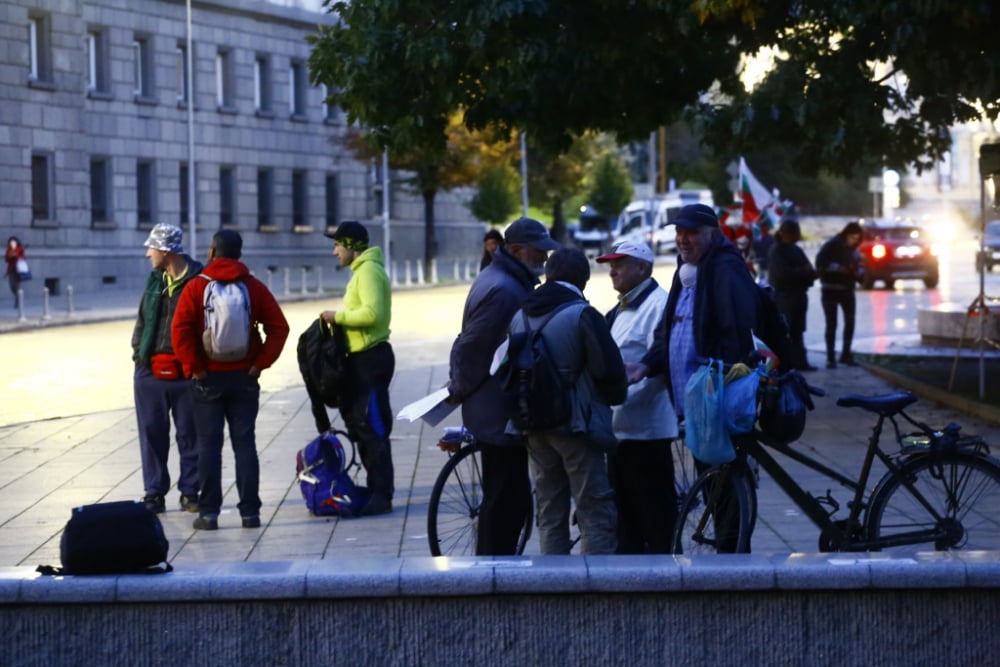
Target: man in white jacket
[[642, 468]]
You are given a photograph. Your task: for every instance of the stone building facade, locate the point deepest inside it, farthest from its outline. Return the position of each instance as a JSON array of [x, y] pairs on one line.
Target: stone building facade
[[94, 150]]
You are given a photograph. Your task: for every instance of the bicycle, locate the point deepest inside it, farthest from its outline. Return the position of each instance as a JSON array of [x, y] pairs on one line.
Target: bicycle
[[940, 488], [453, 511]]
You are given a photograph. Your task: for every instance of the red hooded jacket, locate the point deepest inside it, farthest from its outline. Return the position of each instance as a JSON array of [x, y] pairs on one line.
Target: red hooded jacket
[[189, 321]]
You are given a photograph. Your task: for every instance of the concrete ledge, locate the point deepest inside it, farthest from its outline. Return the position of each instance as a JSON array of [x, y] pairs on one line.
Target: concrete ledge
[[464, 577], [949, 323], [822, 609]]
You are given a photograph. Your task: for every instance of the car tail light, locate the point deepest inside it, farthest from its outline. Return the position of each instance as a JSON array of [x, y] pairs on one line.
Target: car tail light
[[878, 251]]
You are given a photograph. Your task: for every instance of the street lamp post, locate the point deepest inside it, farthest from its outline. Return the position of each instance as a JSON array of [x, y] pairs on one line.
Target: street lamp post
[[192, 195]]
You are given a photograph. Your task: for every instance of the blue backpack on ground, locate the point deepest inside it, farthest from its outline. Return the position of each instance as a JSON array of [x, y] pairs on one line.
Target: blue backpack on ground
[[321, 468]]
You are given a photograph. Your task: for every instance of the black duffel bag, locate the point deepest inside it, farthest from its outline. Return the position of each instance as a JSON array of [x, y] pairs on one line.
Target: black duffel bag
[[112, 538]]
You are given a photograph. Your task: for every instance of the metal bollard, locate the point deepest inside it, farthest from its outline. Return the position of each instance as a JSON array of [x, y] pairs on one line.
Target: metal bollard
[[395, 274], [45, 304], [69, 301], [270, 280], [434, 271], [420, 272], [305, 270], [288, 281], [20, 305], [319, 279], [409, 280]]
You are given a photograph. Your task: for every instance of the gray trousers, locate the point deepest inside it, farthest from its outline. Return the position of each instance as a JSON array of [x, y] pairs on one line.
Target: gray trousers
[[570, 467]]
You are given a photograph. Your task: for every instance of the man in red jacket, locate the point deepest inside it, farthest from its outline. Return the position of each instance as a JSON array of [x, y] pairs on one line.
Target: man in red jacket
[[227, 392]]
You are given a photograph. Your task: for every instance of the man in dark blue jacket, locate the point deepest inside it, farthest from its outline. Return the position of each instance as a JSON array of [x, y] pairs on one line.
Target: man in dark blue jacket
[[711, 312], [495, 296]]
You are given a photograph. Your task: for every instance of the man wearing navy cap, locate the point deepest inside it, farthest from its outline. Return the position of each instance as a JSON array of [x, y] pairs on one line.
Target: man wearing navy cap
[[494, 297], [365, 317], [712, 308]]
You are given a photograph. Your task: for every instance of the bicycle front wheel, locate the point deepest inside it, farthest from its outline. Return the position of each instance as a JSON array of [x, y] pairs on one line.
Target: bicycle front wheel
[[950, 500], [718, 514], [456, 499]]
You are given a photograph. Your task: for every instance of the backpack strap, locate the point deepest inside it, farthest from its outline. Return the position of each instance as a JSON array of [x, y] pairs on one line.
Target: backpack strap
[[555, 311]]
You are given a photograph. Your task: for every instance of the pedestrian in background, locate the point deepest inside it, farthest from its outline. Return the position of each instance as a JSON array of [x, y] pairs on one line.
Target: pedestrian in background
[[568, 461], [642, 466], [14, 253], [365, 317], [158, 382], [491, 241], [792, 274], [494, 297], [227, 393], [838, 264]]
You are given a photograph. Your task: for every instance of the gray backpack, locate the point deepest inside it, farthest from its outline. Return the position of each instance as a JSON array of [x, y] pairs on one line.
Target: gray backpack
[[227, 320]]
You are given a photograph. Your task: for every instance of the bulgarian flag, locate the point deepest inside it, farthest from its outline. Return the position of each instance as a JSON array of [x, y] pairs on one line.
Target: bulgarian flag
[[756, 198]]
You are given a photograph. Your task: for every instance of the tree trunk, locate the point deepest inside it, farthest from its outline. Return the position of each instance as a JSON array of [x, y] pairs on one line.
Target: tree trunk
[[558, 222], [430, 238]]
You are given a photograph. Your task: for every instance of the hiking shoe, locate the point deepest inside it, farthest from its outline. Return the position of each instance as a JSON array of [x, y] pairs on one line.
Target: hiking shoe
[[848, 361], [376, 505], [831, 364], [155, 503], [189, 503], [206, 523], [251, 522]]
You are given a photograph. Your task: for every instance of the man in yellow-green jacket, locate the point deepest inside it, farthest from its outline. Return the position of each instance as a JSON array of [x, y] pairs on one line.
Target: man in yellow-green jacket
[[365, 319]]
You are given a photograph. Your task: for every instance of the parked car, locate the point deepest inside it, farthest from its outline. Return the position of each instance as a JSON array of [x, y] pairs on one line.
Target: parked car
[[591, 231], [989, 255], [635, 222], [892, 251], [648, 220]]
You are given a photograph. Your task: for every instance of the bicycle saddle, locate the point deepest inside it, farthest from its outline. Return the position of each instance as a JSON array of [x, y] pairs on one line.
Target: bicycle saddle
[[882, 404]]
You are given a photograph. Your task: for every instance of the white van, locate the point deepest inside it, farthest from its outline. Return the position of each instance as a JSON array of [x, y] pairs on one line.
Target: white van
[[648, 220]]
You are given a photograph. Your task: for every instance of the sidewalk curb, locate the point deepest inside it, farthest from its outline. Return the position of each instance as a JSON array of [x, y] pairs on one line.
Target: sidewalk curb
[[972, 408]]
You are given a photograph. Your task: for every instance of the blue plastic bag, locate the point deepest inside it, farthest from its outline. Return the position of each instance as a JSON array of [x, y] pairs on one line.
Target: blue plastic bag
[[741, 403], [705, 431]]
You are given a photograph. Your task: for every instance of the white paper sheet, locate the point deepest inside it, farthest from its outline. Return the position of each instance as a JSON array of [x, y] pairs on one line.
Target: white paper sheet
[[432, 408]]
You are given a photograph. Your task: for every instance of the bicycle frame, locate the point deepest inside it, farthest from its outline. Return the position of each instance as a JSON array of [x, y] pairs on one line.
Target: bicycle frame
[[849, 529]]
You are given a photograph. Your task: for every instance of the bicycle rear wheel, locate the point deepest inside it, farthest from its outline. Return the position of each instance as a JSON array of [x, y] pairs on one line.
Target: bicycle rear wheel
[[950, 500], [453, 511], [718, 513]]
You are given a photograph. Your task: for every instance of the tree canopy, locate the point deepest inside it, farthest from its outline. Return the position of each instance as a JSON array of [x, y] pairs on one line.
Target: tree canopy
[[852, 80]]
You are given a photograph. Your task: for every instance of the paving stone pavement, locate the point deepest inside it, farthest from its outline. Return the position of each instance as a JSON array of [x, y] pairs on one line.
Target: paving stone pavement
[[48, 467]]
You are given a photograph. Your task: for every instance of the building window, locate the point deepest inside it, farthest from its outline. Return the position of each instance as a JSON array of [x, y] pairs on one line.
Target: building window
[[98, 62], [331, 112], [42, 186], [182, 86], [100, 189], [332, 201], [40, 48], [142, 70], [299, 198], [227, 196], [297, 90], [262, 84], [145, 191], [265, 197], [224, 80]]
